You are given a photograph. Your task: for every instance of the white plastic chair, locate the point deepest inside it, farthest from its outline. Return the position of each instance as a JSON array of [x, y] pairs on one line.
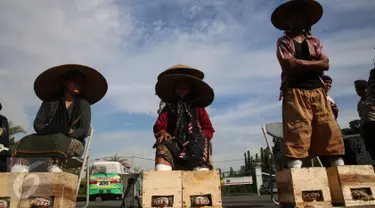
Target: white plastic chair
[[84, 163], [275, 130]]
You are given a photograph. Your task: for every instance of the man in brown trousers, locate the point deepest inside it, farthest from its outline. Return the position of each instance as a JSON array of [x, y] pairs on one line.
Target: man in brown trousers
[[309, 126]]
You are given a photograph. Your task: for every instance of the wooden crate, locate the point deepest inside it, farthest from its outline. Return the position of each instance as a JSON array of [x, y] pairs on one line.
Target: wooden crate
[[201, 183], [293, 183], [161, 183], [343, 180], [21, 187], [10, 188]]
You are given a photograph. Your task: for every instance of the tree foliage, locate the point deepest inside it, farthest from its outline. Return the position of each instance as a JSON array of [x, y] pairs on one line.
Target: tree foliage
[[354, 128], [13, 130]]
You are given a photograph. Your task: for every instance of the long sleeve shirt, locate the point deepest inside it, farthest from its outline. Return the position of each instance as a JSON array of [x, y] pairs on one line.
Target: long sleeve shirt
[[80, 127], [167, 122]]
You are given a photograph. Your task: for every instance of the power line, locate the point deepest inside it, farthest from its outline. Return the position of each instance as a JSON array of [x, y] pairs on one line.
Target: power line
[[150, 159]]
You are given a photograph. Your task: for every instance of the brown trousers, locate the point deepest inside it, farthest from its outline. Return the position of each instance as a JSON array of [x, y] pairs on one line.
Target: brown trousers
[[309, 126]]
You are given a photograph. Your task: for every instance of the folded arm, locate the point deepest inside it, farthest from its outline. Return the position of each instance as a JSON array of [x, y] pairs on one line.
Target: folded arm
[[288, 62], [205, 123], [82, 130], [41, 119]]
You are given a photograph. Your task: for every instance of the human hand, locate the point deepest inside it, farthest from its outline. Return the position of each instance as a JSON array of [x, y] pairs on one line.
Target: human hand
[[70, 131], [163, 136]]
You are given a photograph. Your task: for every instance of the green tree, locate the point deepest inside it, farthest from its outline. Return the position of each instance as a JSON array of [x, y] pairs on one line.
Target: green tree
[[117, 158], [13, 130], [246, 163], [136, 169], [354, 127], [257, 159], [231, 172], [276, 145]]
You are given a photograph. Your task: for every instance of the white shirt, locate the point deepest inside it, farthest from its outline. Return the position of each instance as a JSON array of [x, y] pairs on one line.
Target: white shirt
[[330, 99]]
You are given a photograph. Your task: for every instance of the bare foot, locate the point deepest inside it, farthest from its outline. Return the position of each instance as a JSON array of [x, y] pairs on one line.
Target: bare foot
[[40, 202], [201, 201]]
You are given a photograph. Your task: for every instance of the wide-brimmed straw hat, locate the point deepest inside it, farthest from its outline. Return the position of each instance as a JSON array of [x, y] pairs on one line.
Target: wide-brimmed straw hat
[[202, 95], [49, 84], [311, 9], [182, 69]]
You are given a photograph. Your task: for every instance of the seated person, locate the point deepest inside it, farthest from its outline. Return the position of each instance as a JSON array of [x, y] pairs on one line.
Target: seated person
[[63, 120], [183, 128], [4, 140]]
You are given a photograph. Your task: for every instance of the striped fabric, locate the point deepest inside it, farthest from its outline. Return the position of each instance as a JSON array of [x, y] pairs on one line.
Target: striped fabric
[[190, 129]]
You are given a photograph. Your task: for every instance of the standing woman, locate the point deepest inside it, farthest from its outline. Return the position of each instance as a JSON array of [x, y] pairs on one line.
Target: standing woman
[[309, 126], [63, 120]]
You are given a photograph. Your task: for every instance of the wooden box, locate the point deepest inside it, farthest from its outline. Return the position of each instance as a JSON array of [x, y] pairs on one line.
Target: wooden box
[[10, 188], [20, 188], [352, 185], [201, 183], [161, 183], [297, 184]]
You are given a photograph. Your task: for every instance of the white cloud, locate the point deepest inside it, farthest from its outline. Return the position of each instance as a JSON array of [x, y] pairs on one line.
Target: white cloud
[[130, 49]]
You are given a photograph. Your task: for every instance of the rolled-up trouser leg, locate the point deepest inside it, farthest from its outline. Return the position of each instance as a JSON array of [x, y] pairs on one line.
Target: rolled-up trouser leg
[[297, 119], [326, 138], [164, 155]]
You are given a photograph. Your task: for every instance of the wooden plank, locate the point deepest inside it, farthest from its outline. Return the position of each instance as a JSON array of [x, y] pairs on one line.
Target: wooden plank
[[60, 186], [200, 183], [11, 187], [293, 183], [161, 183], [344, 179]]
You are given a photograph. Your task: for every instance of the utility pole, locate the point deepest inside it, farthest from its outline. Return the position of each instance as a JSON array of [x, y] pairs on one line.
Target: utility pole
[[132, 159]]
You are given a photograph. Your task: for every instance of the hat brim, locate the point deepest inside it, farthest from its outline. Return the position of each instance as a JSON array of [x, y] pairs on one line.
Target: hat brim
[[203, 95], [312, 11], [183, 70], [48, 85]]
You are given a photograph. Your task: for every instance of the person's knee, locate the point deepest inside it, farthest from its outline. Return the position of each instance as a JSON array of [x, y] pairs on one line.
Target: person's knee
[[163, 167]]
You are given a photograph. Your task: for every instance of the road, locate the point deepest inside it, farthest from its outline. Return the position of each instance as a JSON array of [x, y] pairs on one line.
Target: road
[[263, 201]]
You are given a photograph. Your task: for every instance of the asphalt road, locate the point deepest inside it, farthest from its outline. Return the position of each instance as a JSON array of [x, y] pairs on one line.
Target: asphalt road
[[263, 201]]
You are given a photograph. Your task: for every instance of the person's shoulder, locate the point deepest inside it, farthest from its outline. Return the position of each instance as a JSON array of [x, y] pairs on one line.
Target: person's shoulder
[[2, 117], [314, 39], [50, 103], [202, 110], [84, 102], [283, 38]]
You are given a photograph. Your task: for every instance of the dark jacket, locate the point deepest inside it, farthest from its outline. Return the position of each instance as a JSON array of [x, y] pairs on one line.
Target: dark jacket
[[80, 126], [4, 138]]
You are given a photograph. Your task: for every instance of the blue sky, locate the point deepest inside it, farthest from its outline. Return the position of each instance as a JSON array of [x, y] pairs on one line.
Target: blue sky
[[131, 42]]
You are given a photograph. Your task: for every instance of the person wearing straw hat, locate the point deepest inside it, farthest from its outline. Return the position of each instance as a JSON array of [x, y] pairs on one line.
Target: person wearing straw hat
[[63, 120], [4, 142], [179, 69], [183, 129], [328, 85], [309, 126]]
